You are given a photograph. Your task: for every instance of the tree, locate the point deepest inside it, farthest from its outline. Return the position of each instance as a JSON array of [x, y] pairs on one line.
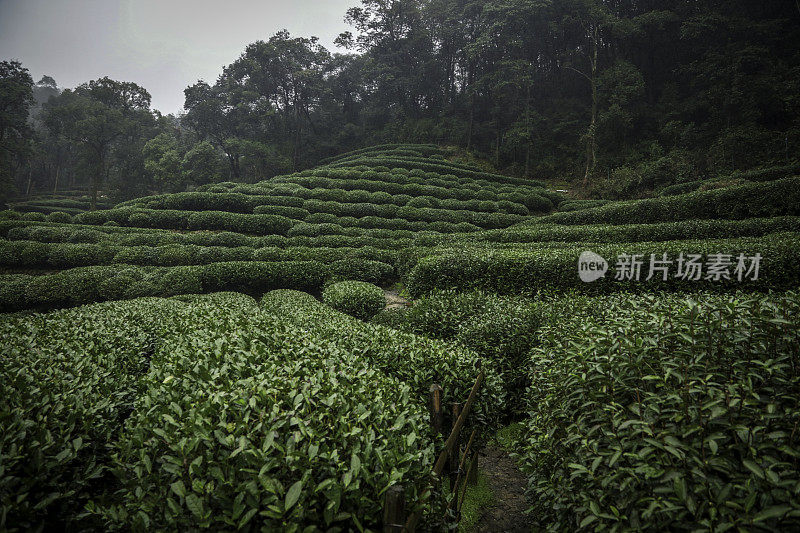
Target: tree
[[162, 161], [99, 118], [16, 96], [202, 164]]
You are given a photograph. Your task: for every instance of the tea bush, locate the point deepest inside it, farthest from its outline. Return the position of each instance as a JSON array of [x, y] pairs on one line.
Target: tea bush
[[356, 298], [535, 267], [414, 360], [776, 198], [661, 413]]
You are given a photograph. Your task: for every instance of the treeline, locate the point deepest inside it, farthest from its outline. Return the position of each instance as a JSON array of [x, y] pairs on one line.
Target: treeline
[[620, 96]]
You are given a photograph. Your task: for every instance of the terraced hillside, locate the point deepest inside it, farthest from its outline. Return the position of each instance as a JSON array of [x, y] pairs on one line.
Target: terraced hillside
[[668, 398], [345, 220]]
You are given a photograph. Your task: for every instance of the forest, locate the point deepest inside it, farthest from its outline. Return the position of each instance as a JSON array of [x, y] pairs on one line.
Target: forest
[[512, 266], [617, 98]]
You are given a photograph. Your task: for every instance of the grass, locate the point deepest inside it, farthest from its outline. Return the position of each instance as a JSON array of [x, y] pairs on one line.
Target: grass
[[508, 436], [477, 498]]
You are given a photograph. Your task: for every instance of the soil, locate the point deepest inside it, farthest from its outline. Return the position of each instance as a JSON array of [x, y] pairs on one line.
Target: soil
[[395, 301], [508, 484]]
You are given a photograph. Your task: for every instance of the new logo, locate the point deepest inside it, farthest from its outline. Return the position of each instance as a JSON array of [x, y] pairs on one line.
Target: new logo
[[591, 267]]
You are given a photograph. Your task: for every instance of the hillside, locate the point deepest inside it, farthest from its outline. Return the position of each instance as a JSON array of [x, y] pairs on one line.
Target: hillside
[[664, 395], [345, 220]]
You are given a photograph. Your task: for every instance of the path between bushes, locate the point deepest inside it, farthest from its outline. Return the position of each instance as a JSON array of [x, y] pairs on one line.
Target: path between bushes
[[508, 484], [394, 300]]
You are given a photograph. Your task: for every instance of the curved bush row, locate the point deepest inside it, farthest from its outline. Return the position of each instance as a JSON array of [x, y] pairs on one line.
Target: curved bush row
[[750, 200], [425, 149], [510, 203], [32, 254], [414, 211], [99, 283], [535, 268], [440, 167], [663, 231], [414, 360], [154, 374], [405, 176], [353, 237], [576, 205], [191, 220], [312, 434], [657, 413], [535, 202], [498, 328]]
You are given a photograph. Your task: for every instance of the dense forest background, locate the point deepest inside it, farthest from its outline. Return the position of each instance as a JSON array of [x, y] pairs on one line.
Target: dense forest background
[[615, 97]]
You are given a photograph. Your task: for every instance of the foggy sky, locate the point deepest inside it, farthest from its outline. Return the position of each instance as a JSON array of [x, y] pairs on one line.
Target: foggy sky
[[163, 45]]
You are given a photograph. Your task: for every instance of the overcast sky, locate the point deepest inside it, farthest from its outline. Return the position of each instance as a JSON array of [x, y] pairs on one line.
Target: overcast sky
[[163, 45]]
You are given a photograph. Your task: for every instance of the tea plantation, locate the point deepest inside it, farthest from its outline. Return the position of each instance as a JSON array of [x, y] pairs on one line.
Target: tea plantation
[[221, 358]]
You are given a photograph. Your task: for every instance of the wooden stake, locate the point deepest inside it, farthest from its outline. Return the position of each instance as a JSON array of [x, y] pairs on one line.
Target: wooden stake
[[455, 449], [454, 491], [435, 405], [438, 468], [394, 509], [472, 476]]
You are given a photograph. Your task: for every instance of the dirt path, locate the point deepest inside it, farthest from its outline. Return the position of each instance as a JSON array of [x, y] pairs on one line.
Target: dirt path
[[507, 513], [394, 300]]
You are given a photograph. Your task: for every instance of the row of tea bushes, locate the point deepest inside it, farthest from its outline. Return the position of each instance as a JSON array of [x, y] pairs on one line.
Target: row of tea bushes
[[606, 233], [415, 360], [422, 149], [83, 285], [501, 329], [125, 236], [189, 220], [200, 412], [776, 198], [434, 166], [404, 218], [532, 268], [257, 424], [657, 412], [535, 200], [68, 381], [34, 254]]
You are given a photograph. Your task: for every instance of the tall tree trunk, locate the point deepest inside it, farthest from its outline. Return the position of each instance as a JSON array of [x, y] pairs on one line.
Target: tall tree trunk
[[30, 181], [471, 122], [528, 131], [296, 147], [55, 182], [591, 139]]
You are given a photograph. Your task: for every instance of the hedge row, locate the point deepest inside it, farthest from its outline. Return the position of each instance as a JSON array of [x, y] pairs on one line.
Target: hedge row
[[425, 149], [576, 205], [405, 218], [32, 254], [507, 202], [415, 360], [352, 237], [117, 391], [659, 413], [501, 329], [769, 199], [441, 167], [191, 220], [532, 198], [663, 231], [534, 268], [99, 283]]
